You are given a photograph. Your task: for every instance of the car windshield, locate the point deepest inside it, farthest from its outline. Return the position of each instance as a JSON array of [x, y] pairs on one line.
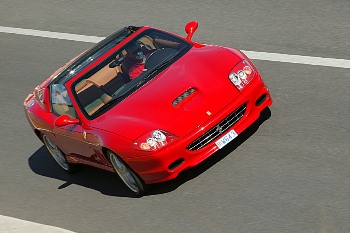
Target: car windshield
[[126, 70]]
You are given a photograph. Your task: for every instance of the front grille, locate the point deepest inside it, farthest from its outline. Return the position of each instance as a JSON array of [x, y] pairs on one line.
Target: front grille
[[218, 129]]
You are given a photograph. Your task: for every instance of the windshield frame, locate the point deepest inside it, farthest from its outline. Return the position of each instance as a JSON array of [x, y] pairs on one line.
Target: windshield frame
[[142, 79]]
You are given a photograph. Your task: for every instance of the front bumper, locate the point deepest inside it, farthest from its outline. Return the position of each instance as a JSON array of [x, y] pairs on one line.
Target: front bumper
[[170, 161]]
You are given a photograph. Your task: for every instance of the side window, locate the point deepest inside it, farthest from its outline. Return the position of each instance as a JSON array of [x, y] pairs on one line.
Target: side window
[[60, 101]]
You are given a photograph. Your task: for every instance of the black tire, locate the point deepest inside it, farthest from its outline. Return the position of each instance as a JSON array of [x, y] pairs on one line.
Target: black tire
[[127, 175], [58, 155]]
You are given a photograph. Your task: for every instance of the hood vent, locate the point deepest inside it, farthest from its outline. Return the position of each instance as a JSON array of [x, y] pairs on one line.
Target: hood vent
[[183, 96]]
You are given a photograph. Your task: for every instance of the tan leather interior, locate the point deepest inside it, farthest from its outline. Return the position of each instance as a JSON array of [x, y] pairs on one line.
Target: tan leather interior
[[103, 76], [148, 41], [81, 86], [100, 78]]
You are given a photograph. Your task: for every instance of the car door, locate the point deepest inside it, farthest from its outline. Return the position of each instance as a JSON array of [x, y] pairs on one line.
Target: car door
[[75, 140]]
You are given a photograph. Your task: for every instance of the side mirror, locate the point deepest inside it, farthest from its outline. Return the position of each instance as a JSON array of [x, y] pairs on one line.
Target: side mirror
[[190, 28], [65, 120]]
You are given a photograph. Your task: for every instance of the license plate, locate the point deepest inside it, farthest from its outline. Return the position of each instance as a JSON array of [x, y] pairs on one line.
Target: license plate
[[226, 139]]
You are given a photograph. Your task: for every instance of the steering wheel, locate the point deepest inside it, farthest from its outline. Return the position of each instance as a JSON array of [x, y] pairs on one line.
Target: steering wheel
[[159, 56]]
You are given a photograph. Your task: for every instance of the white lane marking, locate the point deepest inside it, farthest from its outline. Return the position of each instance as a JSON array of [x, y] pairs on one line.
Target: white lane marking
[[54, 35], [264, 56], [298, 59], [15, 225]]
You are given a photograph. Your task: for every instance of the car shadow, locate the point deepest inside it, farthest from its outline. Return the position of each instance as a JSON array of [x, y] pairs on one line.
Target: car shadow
[[93, 178], [109, 183]]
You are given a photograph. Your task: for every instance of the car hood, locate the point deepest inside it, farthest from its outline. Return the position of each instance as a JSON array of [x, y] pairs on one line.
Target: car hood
[[203, 69]]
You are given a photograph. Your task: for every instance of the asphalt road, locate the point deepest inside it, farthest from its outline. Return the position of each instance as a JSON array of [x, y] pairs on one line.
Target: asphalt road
[[290, 172]]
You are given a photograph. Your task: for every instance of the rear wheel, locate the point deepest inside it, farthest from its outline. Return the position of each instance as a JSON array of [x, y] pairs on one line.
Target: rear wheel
[[57, 154], [127, 175]]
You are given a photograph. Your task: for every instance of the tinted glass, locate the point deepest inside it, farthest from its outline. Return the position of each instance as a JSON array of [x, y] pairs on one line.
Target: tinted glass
[[126, 70]]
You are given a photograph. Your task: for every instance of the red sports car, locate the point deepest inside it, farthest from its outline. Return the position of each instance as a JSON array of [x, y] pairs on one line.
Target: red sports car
[[146, 104]]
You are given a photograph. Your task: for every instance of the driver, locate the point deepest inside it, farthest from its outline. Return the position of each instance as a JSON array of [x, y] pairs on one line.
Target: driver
[[134, 63]]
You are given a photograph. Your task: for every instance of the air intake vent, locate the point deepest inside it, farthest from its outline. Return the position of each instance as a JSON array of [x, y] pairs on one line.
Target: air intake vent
[[183, 96]]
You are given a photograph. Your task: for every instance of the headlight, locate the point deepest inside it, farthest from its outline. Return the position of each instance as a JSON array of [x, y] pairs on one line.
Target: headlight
[[242, 74], [153, 140]]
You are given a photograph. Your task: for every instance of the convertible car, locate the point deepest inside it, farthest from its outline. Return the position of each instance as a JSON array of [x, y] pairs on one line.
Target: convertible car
[[146, 104]]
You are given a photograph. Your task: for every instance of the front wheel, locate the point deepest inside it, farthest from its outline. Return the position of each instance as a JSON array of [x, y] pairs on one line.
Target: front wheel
[[57, 154], [127, 175]]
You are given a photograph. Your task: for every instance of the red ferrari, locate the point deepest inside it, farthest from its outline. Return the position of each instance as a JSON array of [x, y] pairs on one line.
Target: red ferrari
[[146, 104]]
